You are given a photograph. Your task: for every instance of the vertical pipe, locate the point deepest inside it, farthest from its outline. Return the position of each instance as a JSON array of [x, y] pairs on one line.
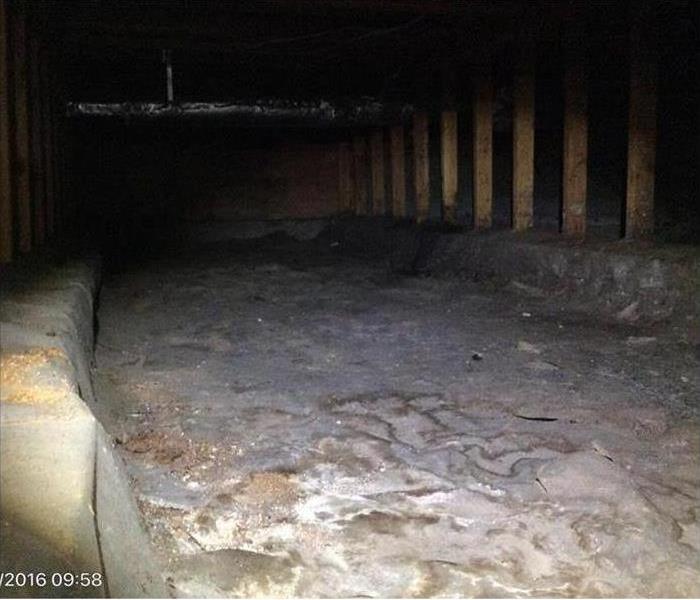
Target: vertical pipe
[[575, 135], [524, 140], [448, 162], [398, 172], [6, 241], [641, 149], [377, 169], [483, 150], [421, 166]]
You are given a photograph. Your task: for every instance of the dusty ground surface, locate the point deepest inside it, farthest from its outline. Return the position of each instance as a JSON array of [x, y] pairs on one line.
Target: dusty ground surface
[[299, 423]]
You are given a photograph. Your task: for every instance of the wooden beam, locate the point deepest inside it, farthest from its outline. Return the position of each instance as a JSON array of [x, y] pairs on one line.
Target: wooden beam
[[398, 172], [641, 148], [575, 136], [421, 166], [377, 172], [21, 145], [524, 140], [37, 143], [345, 192], [70, 203], [59, 144], [359, 167], [47, 126], [6, 242], [483, 151], [448, 162]]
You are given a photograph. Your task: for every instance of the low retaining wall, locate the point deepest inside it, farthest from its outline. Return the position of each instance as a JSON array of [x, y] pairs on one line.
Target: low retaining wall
[[61, 484], [621, 279], [223, 231]]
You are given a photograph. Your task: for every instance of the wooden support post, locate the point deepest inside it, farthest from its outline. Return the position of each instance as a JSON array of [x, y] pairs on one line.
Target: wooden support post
[[641, 149], [483, 151], [575, 136], [377, 170], [345, 192], [6, 242], [47, 126], [21, 184], [524, 141], [37, 143], [398, 172], [59, 143], [448, 162], [69, 201], [421, 166], [359, 167]]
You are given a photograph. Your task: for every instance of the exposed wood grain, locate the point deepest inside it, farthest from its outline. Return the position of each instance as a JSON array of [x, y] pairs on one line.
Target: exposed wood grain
[[6, 216], [398, 172], [575, 162], [524, 141], [421, 166], [37, 182], [449, 161], [641, 149], [377, 172], [345, 192], [483, 151], [21, 145], [359, 174], [47, 126]]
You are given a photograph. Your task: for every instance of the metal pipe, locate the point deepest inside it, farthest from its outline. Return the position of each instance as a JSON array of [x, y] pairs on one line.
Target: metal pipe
[[265, 112]]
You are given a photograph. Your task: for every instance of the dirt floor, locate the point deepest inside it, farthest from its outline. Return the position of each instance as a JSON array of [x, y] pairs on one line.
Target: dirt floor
[[302, 423]]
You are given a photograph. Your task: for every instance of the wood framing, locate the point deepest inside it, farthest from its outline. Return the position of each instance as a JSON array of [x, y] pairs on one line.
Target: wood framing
[[448, 161], [575, 163], [359, 174], [524, 140], [483, 150], [398, 172], [47, 126], [21, 145], [377, 172], [37, 143], [6, 212], [641, 148], [345, 192], [421, 166]]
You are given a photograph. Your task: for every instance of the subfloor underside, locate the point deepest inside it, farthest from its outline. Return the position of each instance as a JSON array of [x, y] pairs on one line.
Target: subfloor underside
[[301, 423]]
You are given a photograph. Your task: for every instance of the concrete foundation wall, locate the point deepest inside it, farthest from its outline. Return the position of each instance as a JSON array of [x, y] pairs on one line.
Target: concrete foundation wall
[[64, 496], [615, 279], [144, 184], [295, 180]]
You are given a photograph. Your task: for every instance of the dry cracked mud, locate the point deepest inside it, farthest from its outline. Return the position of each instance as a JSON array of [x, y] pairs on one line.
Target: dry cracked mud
[[299, 423]]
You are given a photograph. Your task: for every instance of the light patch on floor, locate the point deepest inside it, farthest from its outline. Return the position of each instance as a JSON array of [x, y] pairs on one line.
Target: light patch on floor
[[298, 423]]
